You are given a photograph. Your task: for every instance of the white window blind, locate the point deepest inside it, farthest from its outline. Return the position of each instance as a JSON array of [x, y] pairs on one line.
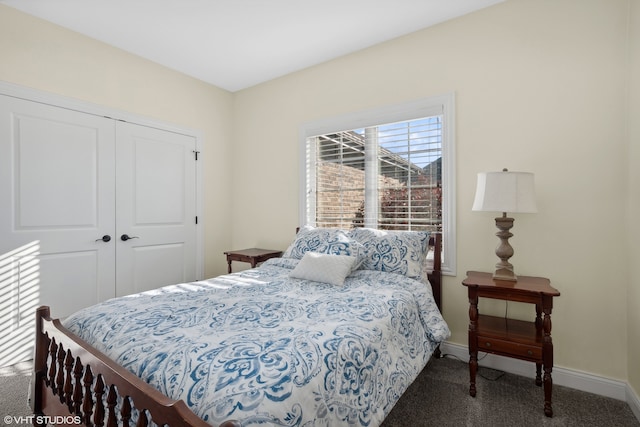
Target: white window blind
[[387, 176]]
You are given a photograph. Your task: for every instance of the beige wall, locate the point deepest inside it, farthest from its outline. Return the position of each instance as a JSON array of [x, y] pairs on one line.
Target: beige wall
[[633, 297], [540, 87], [43, 56]]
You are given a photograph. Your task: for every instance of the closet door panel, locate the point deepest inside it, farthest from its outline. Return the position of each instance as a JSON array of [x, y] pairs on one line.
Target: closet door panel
[[148, 273], [56, 174], [156, 208], [64, 273], [160, 171]]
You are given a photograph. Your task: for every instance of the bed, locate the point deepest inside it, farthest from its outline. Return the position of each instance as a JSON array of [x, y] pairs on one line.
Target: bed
[[332, 333]]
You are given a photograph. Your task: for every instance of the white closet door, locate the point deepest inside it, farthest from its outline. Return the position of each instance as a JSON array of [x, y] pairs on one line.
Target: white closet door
[[155, 207], [57, 192]]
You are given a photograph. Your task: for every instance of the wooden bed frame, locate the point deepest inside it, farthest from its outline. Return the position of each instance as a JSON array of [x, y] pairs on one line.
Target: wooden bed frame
[[74, 383]]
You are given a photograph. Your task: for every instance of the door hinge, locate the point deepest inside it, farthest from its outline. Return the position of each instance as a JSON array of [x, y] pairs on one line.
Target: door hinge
[[196, 219], [196, 152]]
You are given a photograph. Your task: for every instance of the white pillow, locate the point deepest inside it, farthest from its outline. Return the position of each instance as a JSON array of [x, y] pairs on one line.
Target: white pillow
[[332, 269]]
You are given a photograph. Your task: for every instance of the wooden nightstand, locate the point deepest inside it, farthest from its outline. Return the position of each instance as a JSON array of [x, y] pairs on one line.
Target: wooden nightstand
[[508, 337], [253, 256]]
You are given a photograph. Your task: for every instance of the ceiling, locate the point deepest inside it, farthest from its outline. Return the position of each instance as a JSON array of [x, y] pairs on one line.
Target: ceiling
[[235, 44]]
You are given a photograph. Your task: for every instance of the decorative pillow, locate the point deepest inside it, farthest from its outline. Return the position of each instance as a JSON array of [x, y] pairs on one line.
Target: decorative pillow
[[332, 269], [401, 252], [332, 241]]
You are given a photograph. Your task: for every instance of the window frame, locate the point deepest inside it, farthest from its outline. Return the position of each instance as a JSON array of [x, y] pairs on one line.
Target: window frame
[[443, 104]]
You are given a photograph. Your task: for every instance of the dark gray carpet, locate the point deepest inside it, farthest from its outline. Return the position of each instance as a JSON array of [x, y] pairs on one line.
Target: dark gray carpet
[[14, 389], [438, 397]]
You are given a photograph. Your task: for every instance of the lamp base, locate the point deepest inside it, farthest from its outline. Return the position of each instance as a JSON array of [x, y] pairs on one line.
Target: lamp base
[[504, 270], [504, 274]]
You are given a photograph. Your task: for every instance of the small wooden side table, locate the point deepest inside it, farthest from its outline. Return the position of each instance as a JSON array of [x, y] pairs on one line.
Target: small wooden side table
[[253, 256], [519, 339]]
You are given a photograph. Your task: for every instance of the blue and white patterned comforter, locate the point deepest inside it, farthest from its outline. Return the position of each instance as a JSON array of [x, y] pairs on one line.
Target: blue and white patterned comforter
[[259, 347]]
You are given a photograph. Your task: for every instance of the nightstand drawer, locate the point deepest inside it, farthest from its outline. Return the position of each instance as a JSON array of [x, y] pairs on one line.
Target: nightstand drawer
[[493, 345]]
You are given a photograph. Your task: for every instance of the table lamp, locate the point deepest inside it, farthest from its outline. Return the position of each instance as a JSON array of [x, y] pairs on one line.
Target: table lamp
[[505, 192]]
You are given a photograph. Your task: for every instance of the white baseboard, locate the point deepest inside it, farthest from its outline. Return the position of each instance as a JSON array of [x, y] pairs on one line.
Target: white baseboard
[[583, 381], [633, 401]]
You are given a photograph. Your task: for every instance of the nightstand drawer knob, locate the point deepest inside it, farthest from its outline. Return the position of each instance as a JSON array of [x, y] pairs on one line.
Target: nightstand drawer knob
[[488, 344], [529, 352]]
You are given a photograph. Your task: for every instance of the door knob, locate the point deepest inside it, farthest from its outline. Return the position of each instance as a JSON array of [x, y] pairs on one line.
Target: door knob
[[104, 238], [126, 237]]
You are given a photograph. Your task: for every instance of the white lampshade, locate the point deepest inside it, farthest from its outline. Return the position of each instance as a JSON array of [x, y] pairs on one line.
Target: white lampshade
[[505, 192]]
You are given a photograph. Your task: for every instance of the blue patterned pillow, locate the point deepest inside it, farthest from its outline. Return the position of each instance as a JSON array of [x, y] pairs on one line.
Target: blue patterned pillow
[[332, 241], [401, 252]]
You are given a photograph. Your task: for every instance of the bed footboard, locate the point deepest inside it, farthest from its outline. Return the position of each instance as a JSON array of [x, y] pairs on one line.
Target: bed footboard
[[79, 385]]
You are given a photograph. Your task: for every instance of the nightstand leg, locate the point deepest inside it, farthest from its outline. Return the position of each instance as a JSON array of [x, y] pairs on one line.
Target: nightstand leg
[[538, 327], [473, 340], [548, 385], [473, 368], [547, 357]]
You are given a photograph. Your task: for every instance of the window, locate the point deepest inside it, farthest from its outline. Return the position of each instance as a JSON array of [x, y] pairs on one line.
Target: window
[[390, 168]]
